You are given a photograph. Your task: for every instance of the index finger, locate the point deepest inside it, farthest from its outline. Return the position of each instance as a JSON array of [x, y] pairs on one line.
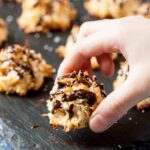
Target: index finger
[[105, 41]]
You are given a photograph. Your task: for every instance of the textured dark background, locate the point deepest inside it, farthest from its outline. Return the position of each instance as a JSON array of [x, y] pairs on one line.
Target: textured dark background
[[17, 114]]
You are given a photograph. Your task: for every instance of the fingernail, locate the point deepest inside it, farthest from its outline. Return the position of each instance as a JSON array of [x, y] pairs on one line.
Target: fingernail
[[96, 123]]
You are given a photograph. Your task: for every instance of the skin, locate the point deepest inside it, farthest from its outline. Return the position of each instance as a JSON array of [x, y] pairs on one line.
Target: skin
[[129, 36]]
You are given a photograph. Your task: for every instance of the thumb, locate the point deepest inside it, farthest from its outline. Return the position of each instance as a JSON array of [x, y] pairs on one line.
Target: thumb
[[116, 104]]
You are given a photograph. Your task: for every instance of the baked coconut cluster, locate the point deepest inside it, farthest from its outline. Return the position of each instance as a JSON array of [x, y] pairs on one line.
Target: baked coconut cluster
[[122, 76], [21, 70], [73, 99], [111, 8], [46, 15]]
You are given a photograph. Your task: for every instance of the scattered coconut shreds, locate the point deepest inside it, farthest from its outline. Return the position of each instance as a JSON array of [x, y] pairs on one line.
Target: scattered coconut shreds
[[143, 111], [48, 48], [9, 19], [45, 47], [35, 126], [57, 39], [54, 70], [44, 115], [36, 35], [119, 146], [130, 118], [49, 35]]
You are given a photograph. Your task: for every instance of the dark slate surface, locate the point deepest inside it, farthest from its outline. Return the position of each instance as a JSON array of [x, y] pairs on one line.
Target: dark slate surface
[[4, 145], [17, 114]]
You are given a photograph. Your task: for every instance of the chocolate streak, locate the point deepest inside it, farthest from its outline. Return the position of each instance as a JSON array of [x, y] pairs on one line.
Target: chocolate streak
[[90, 97], [87, 96], [21, 67], [55, 106], [70, 111]]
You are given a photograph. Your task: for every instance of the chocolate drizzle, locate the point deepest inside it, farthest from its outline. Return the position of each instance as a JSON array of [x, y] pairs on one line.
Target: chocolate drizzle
[[76, 78], [67, 90], [70, 111], [18, 64], [55, 105], [70, 75], [103, 93], [90, 97], [61, 84]]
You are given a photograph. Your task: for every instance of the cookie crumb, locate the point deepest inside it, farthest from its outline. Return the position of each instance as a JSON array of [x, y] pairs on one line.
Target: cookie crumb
[[36, 35], [119, 146], [130, 118], [54, 70], [143, 111], [49, 35], [9, 19], [57, 39]]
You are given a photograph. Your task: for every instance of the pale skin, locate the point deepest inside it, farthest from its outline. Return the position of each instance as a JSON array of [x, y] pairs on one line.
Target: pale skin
[[129, 36]]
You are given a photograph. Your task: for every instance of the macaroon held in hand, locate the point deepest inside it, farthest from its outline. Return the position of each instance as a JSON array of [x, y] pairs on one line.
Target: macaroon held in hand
[[129, 36]]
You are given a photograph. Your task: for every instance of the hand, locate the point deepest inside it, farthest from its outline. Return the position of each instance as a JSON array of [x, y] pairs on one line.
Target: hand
[[129, 36]]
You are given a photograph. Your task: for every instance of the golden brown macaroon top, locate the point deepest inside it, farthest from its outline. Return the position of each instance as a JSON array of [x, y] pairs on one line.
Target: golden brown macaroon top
[[72, 100], [111, 8], [22, 69], [46, 15]]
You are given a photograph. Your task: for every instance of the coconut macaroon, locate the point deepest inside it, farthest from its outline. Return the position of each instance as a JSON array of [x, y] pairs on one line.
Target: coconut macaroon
[[46, 15], [122, 76], [3, 32], [63, 50], [144, 104], [144, 10], [21, 70], [73, 99], [111, 8]]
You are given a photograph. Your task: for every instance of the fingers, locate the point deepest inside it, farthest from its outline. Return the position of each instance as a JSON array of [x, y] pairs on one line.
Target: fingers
[[117, 104], [106, 64], [93, 45], [91, 27], [87, 67]]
